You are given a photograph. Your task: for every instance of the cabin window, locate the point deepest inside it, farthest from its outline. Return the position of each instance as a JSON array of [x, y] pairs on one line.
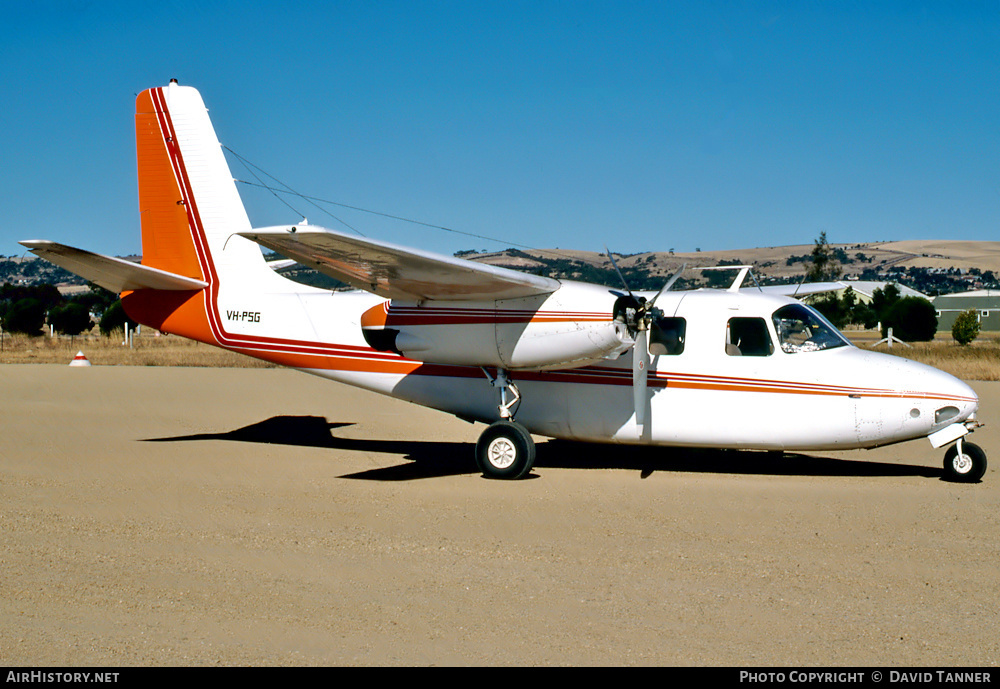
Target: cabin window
[[666, 336], [748, 337], [802, 329]]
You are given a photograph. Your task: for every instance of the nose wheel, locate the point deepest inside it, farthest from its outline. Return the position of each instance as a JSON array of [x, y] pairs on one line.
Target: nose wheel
[[964, 463]]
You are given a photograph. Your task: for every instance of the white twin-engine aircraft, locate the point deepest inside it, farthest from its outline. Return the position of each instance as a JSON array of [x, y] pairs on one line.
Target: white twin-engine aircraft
[[734, 368]]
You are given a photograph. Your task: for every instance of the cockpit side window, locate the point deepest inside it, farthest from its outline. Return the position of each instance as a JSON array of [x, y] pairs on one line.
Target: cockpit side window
[[748, 337], [666, 336], [801, 329]]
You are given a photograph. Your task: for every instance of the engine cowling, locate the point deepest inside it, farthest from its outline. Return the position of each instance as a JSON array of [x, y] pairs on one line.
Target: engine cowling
[[571, 327]]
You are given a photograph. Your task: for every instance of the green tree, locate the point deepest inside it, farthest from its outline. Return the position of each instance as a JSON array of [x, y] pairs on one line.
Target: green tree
[[47, 294], [24, 316], [883, 300], [97, 299], [837, 309], [845, 309], [114, 318], [864, 314], [823, 265], [912, 319], [72, 319], [966, 327]]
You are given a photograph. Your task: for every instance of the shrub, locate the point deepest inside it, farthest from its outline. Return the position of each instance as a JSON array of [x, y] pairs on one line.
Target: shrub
[[966, 327]]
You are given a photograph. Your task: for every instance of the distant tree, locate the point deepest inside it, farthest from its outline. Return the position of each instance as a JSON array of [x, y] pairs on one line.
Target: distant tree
[[912, 319], [863, 314], [97, 299], [883, 300], [823, 262], [114, 318], [966, 327], [72, 319], [844, 309], [46, 294], [24, 316]]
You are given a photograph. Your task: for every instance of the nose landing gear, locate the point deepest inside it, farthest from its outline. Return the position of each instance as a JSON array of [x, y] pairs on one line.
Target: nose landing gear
[[964, 463], [505, 449]]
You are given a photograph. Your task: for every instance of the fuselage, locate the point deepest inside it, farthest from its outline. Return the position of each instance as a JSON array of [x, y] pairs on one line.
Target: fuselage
[[773, 393]]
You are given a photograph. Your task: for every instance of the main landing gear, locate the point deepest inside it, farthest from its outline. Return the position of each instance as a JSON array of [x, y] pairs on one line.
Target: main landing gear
[[505, 449], [964, 462]]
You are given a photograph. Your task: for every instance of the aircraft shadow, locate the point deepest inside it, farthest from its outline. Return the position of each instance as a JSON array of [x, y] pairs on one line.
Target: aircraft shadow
[[426, 459], [646, 460], [430, 459]]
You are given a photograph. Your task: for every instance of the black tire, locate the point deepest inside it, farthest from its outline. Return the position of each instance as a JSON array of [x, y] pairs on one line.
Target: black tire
[[968, 467], [505, 450]]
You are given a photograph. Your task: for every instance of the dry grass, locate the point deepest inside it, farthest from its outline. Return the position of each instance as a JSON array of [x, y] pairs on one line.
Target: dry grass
[[978, 361], [147, 350]]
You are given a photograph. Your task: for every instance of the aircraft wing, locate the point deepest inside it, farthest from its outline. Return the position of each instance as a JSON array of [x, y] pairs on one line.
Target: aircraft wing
[[115, 274], [803, 289], [397, 272]]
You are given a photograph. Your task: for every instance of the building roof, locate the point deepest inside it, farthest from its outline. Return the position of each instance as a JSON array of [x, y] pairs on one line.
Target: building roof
[[967, 300], [975, 293]]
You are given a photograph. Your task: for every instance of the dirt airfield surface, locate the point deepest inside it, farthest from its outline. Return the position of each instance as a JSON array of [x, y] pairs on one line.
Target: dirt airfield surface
[[181, 516]]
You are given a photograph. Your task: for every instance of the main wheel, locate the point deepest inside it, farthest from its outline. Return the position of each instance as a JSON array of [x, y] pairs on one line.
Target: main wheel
[[967, 467], [505, 450]]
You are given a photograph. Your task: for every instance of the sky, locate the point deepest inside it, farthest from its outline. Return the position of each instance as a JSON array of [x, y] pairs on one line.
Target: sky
[[643, 126]]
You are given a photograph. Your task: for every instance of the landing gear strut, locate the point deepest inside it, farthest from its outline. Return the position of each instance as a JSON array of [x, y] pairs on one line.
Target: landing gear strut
[[505, 449], [964, 462]]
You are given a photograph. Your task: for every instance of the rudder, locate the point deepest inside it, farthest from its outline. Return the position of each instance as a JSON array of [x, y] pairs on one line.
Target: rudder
[[188, 203]]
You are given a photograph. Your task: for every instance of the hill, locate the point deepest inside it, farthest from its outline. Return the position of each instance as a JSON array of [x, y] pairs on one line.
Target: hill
[[929, 266]]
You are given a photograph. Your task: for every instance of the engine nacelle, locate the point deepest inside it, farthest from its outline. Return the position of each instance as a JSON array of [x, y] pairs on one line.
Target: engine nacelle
[[571, 327]]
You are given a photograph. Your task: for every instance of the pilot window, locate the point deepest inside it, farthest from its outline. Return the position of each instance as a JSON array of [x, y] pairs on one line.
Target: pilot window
[[801, 329], [666, 336], [748, 337]]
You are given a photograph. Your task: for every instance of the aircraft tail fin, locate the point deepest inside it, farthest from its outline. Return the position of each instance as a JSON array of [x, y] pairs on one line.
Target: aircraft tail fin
[[189, 207], [190, 214]]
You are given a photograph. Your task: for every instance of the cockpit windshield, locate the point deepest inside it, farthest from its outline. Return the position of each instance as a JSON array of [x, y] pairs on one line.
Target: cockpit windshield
[[801, 329]]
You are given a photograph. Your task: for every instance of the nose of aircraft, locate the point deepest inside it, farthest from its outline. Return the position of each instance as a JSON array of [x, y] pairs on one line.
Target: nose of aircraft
[[953, 399], [958, 393], [899, 399]]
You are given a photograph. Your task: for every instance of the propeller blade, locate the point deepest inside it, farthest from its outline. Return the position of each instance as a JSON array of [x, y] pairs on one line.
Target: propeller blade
[[620, 276], [640, 368], [668, 285]]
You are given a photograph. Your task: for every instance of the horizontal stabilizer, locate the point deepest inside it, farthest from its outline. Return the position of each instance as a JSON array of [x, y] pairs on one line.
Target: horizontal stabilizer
[[114, 274], [397, 272]]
